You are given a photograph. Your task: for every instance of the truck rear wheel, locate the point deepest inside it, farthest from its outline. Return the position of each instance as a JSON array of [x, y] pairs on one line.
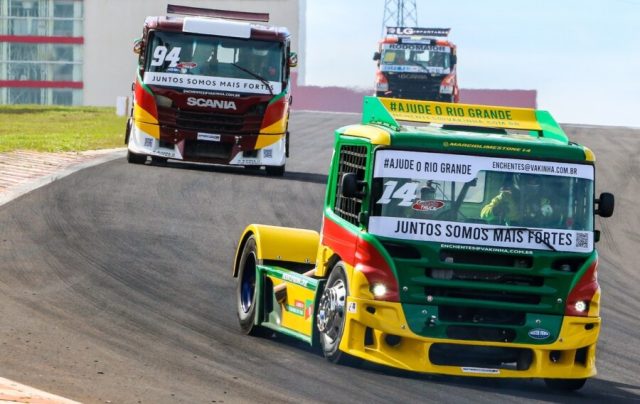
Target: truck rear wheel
[[331, 316], [565, 384], [246, 294]]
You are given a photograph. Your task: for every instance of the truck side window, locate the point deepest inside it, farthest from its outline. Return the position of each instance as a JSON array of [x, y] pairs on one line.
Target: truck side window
[[353, 159]]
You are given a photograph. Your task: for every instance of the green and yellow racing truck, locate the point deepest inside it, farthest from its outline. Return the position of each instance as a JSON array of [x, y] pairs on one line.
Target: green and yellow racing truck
[[463, 246]]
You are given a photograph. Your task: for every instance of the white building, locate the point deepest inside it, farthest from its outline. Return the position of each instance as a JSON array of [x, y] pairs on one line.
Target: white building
[[79, 52]]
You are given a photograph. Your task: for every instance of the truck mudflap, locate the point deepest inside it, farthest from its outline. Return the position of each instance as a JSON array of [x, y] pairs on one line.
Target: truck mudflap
[[378, 331]]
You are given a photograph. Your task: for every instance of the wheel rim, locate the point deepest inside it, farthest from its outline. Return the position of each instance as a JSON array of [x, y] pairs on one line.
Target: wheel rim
[[331, 310], [248, 284]]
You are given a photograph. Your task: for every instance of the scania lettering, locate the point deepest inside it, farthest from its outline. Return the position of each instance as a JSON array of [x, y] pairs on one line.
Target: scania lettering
[[417, 63], [203, 102], [212, 74], [441, 249]]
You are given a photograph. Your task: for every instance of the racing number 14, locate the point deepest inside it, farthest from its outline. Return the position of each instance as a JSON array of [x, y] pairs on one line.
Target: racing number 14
[[407, 193]]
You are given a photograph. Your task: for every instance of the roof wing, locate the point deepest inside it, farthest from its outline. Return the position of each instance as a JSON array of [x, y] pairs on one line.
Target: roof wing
[[207, 12], [388, 111]]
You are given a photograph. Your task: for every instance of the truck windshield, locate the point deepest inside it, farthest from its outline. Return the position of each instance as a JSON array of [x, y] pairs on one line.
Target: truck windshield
[[192, 61], [416, 58], [483, 201]]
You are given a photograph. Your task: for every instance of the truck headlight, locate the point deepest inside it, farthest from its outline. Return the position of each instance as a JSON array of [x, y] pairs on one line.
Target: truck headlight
[[580, 306], [379, 290], [163, 101]]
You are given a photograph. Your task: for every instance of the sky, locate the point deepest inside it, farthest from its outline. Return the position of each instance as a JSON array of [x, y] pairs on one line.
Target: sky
[[581, 56]]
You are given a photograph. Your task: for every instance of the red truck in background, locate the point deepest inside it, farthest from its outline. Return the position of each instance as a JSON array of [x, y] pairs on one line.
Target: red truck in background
[[212, 87], [418, 64]]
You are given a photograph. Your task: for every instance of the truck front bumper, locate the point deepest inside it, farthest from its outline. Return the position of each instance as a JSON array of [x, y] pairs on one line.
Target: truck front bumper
[[378, 332], [257, 150]]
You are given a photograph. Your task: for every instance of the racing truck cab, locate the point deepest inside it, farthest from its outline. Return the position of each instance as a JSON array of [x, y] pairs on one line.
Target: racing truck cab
[[417, 63], [211, 87], [463, 246]]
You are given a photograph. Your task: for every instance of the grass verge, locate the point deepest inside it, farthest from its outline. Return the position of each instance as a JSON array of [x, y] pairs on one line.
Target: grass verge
[[59, 128]]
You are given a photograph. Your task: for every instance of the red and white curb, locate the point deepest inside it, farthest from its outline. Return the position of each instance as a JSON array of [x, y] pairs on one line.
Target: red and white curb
[[23, 171], [13, 392]]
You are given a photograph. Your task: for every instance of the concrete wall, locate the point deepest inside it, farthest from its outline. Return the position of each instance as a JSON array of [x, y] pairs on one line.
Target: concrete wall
[[112, 25], [340, 99]]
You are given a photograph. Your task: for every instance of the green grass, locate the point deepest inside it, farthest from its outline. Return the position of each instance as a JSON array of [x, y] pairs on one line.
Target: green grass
[[57, 128]]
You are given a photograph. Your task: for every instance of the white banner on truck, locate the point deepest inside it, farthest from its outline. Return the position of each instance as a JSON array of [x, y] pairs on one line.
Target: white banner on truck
[[481, 234], [211, 83], [463, 168]]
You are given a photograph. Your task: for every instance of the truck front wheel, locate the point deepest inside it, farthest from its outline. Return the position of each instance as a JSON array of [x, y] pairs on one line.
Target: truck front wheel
[[134, 158], [565, 384], [331, 316], [246, 296]]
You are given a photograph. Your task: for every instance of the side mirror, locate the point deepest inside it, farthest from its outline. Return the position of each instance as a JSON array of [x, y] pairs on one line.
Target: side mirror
[[137, 46], [293, 59], [350, 187], [605, 204], [454, 60], [376, 56]]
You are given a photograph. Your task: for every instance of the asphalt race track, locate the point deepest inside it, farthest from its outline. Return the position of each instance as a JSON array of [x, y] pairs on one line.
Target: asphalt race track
[[116, 286]]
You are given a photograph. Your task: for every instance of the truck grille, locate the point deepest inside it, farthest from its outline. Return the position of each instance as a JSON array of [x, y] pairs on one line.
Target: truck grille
[[470, 295], [212, 122], [415, 87], [217, 123]]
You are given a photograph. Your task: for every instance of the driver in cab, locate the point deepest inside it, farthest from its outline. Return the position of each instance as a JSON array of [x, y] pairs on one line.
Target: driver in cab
[[519, 203]]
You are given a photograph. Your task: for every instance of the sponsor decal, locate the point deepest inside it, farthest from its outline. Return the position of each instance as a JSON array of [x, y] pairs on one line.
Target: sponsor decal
[[414, 69], [211, 83], [539, 333], [308, 312], [464, 168], [428, 206], [485, 249], [210, 137], [417, 47], [187, 65], [480, 370], [302, 309], [206, 102], [352, 307], [297, 279], [295, 310], [418, 31]]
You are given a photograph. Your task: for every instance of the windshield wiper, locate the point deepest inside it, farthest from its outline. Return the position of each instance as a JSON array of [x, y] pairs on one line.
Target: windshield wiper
[[256, 75], [532, 231]]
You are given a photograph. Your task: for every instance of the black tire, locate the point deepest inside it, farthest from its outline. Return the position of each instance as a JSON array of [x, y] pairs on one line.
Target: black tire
[[565, 384], [134, 158], [331, 317], [246, 293], [127, 131], [275, 171]]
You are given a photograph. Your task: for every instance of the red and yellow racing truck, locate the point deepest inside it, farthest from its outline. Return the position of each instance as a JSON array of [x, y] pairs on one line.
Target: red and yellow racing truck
[[417, 64], [212, 87]]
